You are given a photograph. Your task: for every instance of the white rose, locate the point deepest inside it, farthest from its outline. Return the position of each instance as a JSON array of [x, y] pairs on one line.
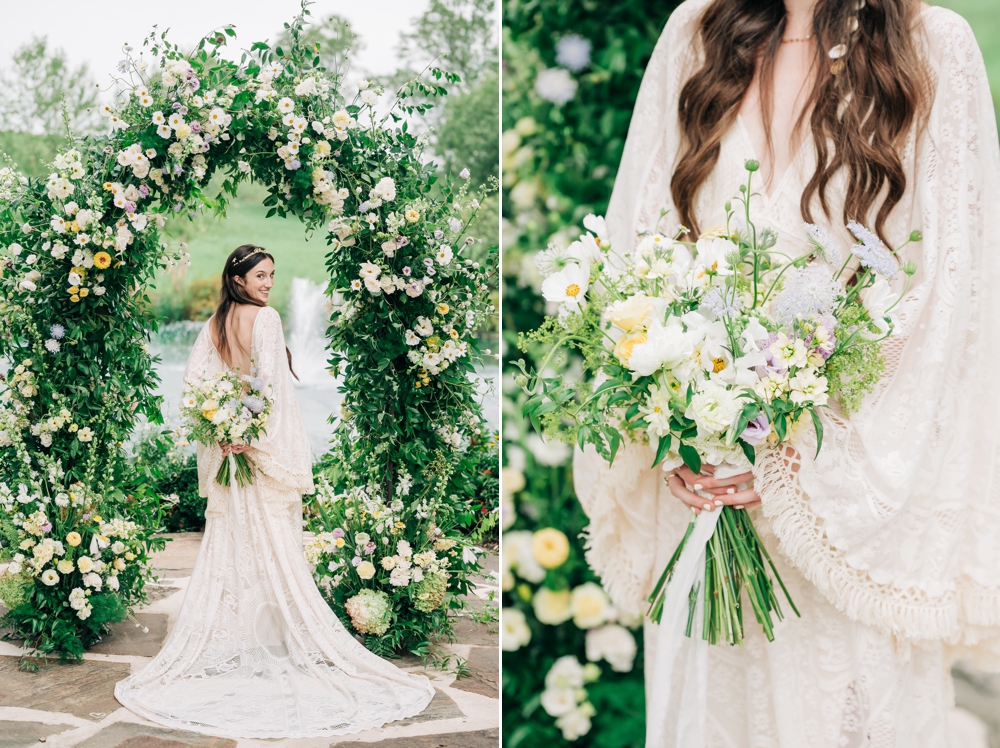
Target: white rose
[[576, 724], [566, 672], [613, 643], [714, 407], [514, 632], [590, 605], [558, 701]]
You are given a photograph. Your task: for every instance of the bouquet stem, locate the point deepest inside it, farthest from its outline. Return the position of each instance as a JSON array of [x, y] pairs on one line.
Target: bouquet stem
[[244, 471], [735, 558]]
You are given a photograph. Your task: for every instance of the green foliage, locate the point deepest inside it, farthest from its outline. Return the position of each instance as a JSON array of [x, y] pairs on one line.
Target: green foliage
[[855, 371], [467, 137], [172, 473], [559, 164], [32, 153]]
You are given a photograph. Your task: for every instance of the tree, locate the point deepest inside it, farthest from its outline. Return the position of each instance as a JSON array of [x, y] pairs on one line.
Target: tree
[[467, 135], [336, 39], [464, 30], [34, 89]]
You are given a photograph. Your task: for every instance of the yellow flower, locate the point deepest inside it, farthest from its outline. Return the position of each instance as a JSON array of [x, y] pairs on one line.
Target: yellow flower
[[74, 298], [412, 216], [107, 185], [550, 547], [85, 564], [73, 289], [84, 292], [443, 308], [454, 334], [120, 564], [102, 260], [632, 313], [65, 566], [624, 348], [74, 227], [74, 539]]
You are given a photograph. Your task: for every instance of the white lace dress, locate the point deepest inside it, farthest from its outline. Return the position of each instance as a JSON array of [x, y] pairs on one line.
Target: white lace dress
[[889, 541], [256, 651]]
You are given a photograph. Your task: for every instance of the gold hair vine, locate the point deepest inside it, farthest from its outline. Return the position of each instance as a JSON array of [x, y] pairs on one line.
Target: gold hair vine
[[256, 251]]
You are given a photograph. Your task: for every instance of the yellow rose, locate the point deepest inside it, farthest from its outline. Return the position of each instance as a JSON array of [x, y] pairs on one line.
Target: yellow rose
[[120, 564], [366, 570], [551, 606], [624, 348], [550, 547], [74, 539], [443, 308], [412, 216], [631, 313], [85, 564], [129, 556], [65, 566]]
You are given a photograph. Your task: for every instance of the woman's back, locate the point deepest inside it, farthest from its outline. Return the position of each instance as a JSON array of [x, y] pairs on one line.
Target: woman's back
[[239, 336]]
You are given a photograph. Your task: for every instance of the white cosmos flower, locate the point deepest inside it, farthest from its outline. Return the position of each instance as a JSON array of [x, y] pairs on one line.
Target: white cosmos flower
[[568, 286], [712, 255], [444, 254], [286, 105]]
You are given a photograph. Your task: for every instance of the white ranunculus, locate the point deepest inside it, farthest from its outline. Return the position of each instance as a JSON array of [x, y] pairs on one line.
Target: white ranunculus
[[518, 557], [514, 631], [558, 701], [714, 407], [667, 345], [613, 643], [576, 724], [566, 672], [590, 604]]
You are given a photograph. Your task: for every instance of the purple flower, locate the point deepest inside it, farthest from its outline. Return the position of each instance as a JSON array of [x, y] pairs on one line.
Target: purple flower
[[295, 164], [254, 404], [402, 241], [144, 190], [129, 206], [756, 431], [209, 138], [196, 126], [407, 271], [178, 206], [108, 150], [86, 516], [47, 527], [57, 331], [439, 234], [369, 548], [257, 383], [337, 533], [356, 561], [176, 105], [178, 169]]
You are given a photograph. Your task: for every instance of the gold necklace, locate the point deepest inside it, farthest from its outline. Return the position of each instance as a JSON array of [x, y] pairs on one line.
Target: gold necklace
[[800, 39]]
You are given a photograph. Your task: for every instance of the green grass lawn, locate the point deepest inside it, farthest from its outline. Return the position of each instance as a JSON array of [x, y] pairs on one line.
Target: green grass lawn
[[984, 17], [212, 239]]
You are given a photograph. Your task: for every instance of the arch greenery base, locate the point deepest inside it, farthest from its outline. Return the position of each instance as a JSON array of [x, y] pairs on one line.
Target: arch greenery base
[[78, 249]]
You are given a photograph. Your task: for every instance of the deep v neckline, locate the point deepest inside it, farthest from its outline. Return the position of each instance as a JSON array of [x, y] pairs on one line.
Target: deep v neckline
[[253, 330], [777, 186]]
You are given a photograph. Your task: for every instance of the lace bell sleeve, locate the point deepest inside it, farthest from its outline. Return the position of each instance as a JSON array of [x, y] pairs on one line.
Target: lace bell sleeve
[[203, 361], [623, 501], [282, 453], [897, 521]]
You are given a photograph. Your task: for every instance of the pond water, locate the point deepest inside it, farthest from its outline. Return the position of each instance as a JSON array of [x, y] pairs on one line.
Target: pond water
[[305, 327]]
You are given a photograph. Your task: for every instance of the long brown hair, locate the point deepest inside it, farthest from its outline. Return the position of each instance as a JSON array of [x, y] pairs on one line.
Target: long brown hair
[[241, 261], [864, 103]]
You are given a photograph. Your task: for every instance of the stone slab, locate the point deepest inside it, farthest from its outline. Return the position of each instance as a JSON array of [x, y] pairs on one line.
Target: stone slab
[[484, 673], [477, 739], [180, 552], [132, 735], [125, 638], [442, 706], [468, 631], [157, 592], [15, 734], [84, 689]]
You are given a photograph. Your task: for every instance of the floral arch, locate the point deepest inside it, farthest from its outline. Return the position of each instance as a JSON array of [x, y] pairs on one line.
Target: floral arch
[[78, 249]]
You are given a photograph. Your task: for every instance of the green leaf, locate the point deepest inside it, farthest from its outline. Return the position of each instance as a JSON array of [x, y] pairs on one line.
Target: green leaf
[[749, 451], [690, 456], [818, 425], [661, 450]]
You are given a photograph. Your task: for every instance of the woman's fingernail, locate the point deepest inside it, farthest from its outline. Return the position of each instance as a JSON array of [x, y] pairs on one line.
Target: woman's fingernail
[[708, 507], [730, 490], [698, 486], [739, 506], [718, 502]]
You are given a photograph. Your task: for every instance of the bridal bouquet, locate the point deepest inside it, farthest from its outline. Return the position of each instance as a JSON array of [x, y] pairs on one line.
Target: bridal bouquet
[[712, 351], [231, 409]]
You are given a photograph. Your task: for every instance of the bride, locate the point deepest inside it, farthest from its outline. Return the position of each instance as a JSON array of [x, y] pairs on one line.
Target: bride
[[256, 651], [889, 540]]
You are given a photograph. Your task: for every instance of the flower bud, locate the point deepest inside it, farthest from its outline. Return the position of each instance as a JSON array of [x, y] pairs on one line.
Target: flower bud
[[916, 236], [751, 165]]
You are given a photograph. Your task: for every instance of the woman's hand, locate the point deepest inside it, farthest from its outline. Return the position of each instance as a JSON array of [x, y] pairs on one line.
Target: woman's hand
[[723, 490], [233, 448]]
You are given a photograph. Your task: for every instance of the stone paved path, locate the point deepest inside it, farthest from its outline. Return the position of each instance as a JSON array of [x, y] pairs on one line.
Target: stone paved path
[[73, 706]]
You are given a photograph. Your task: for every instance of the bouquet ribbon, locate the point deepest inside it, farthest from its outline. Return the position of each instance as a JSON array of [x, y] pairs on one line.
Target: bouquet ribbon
[[688, 572]]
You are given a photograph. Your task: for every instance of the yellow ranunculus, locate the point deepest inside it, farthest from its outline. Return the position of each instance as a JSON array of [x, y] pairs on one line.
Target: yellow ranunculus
[[74, 539], [631, 313], [412, 216], [552, 606], [65, 566], [442, 308], [624, 348], [550, 547]]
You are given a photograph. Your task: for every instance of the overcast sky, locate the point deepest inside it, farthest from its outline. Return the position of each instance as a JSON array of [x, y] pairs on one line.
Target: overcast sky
[[94, 31]]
